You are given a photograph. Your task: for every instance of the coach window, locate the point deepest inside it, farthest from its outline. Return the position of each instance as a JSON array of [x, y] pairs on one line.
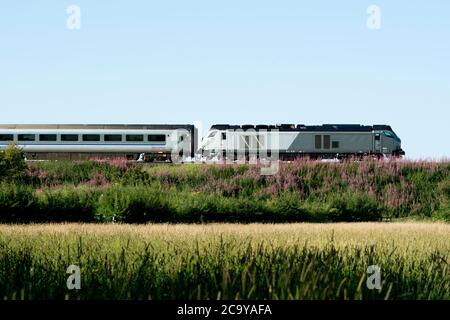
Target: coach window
[[91, 137], [6, 137], [156, 138], [135, 137], [69, 137], [26, 137], [318, 141], [326, 142], [113, 137], [335, 144], [47, 137]]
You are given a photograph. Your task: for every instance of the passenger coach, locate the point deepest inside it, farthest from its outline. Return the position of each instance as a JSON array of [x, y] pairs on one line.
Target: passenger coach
[[150, 142]]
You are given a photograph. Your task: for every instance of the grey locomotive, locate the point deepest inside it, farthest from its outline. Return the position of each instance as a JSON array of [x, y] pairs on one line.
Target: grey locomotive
[[292, 141]]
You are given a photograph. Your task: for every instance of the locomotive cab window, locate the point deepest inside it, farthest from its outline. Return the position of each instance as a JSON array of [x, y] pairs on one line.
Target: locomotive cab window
[[156, 138], [47, 137], [91, 137], [113, 137], [224, 136], [388, 134], [26, 137], [6, 137], [69, 137]]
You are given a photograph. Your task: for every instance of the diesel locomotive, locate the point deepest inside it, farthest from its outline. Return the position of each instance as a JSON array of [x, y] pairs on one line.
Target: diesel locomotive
[[291, 141]]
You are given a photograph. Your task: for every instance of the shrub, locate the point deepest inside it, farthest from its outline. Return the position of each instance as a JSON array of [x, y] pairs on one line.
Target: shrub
[[132, 204], [16, 201], [289, 207], [445, 188], [12, 164], [69, 172], [356, 206], [68, 203], [134, 176]]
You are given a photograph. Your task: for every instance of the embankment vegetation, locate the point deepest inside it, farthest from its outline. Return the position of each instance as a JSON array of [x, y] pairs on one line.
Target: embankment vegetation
[[302, 190]]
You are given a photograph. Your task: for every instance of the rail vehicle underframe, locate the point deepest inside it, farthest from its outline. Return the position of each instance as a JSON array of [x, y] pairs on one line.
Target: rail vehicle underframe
[[148, 156], [290, 156]]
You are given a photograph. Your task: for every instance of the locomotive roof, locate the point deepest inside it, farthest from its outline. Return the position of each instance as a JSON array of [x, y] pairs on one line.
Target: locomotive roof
[[301, 127]]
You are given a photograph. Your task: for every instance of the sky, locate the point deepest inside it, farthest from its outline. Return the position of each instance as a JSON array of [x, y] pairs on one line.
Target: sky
[[237, 62]]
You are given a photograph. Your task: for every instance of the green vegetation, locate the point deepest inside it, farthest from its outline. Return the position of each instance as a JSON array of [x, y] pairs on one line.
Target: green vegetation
[[225, 261], [303, 190], [12, 165]]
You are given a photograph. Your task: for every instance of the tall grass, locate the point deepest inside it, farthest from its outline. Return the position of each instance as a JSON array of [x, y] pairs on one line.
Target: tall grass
[[296, 261]]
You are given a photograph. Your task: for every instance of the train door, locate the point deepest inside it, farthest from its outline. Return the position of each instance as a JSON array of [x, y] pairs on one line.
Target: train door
[[260, 140], [223, 144], [247, 147], [377, 143], [244, 145]]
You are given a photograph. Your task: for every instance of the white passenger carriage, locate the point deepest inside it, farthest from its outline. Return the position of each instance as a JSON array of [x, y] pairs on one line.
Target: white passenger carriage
[[160, 142]]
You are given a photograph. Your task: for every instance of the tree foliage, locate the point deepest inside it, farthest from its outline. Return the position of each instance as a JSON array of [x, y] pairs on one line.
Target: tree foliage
[[12, 164]]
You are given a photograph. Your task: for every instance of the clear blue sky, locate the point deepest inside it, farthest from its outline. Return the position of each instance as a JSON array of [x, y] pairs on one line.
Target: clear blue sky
[[260, 62]]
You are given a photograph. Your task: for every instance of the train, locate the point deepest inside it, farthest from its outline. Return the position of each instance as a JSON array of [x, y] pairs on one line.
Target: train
[[291, 141], [175, 142]]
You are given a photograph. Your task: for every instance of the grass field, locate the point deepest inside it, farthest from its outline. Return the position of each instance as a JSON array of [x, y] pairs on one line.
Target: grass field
[[225, 261]]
